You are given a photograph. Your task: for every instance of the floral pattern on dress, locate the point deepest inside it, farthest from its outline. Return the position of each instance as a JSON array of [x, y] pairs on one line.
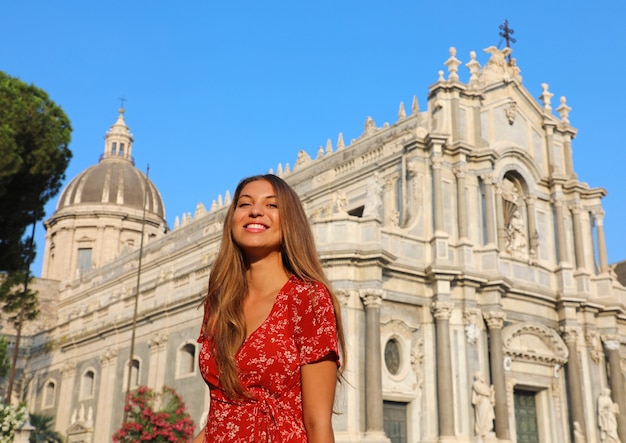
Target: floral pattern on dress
[[300, 329]]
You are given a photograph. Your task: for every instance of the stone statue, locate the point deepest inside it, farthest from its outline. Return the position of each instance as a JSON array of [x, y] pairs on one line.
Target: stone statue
[[483, 399], [607, 422], [516, 235], [341, 201], [579, 436], [373, 197]]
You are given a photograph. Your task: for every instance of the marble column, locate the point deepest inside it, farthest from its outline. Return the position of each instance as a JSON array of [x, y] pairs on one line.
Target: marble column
[[445, 396], [489, 209], [104, 407], [495, 321], [437, 194], [461, 200], [372, 300], [602, 257], [560, 230], [612, 345], [574, 377], [579, 250]]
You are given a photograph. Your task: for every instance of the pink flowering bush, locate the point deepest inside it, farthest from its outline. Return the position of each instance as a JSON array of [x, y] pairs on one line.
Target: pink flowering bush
[[155, 417]]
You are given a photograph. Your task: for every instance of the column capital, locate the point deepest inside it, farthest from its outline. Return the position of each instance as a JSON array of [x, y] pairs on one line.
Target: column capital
[[530, 199], [442, 310], [494, 319], [460, 171], [344, 295], [413, 167], [108, 356], [488, 179], [611, 342], [68, 369], [158, 342], [372, 298], [570, 333], [576, 207], [598, 215], [437, 162]]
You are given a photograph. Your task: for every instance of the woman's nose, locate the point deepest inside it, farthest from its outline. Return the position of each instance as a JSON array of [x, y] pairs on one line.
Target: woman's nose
[[255, 211]]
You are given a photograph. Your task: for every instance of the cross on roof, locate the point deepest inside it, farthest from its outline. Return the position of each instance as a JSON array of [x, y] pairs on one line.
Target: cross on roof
[[506, 34]]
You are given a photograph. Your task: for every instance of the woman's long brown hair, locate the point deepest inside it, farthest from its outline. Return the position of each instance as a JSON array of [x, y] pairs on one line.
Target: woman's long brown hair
[[224, 323]]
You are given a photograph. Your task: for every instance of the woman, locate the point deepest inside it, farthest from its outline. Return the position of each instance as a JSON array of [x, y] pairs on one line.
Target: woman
[[272, 330]]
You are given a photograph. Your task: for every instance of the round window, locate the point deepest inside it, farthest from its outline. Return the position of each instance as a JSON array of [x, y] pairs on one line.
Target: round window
[[392, 356]]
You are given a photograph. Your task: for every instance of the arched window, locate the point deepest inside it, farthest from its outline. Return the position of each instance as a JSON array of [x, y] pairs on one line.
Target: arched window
[[87, 384], [134, 375], [121, 150], [114, 148], [49, 393], [187, 360]]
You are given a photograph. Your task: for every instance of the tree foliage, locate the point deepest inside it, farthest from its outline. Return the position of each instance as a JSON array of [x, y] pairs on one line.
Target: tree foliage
[[43, 432], [156, 417], [13, 299], [5, 361], [11, 418], [34, 154]]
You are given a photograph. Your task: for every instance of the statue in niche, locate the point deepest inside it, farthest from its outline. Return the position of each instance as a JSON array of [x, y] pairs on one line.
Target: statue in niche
[[516, 235], [579, 436], [373, 197], [341, 201], [607, 420], [483, 400]]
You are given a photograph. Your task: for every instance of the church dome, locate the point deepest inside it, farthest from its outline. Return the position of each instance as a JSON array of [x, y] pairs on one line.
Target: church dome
[[114, 180]]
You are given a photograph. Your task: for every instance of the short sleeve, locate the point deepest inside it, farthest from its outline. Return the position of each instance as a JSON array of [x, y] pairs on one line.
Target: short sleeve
[[315, 327]]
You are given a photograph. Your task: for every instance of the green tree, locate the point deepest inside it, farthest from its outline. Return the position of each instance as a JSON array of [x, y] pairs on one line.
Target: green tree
[[22, 305], [34, 154], [43, 432], [5, 363]]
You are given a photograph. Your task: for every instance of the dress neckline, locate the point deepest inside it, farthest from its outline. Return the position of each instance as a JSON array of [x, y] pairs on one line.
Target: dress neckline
[[280, 292]]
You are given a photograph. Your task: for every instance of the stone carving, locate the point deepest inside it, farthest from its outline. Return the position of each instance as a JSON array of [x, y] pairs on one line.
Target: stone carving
[[472, 330], [579, 436], [511, 112], [373, 197], [370, 126], [483, 400], [607, 421], [302, 160], [534, 342], [592, 339], [340, 201], [516, 241]]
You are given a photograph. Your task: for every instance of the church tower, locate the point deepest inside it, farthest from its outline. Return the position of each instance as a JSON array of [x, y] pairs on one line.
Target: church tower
[[101, 213]]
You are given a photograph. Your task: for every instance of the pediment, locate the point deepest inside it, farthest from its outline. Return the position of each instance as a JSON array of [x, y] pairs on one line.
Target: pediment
[[79, 428], [534, 342]]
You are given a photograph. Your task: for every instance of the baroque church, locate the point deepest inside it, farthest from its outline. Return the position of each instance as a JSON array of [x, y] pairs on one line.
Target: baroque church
[[469, 260]]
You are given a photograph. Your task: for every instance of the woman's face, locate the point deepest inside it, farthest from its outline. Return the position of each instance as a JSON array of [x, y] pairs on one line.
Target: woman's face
[[256, 220]]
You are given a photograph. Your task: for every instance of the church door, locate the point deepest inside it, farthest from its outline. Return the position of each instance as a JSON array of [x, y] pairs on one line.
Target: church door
[[394, 414], [525, 416]]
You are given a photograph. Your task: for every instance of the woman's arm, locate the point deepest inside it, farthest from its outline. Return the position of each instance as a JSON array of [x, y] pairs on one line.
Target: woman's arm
[[199, 438], [318, 397]]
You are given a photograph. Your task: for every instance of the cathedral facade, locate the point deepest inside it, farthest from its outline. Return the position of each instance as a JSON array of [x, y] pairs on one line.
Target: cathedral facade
[[469, 260]]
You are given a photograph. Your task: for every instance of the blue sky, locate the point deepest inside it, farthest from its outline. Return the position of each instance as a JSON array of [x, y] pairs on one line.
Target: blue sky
[[220, 90]]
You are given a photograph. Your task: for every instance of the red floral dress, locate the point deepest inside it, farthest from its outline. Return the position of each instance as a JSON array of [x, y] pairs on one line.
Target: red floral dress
[[300, 329]]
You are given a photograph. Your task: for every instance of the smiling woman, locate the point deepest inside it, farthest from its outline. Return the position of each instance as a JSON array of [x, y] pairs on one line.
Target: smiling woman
[[272, 334]]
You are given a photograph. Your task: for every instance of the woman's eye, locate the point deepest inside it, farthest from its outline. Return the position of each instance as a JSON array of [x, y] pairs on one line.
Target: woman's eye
[[272, 205]]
